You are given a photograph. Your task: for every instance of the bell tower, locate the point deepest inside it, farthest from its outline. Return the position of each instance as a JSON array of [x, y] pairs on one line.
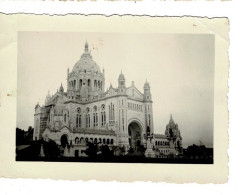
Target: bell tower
[[147, 97]]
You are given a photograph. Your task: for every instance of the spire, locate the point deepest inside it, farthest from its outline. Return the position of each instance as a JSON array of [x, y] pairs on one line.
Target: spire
[[48, 95], [61, 88], [171, 122]]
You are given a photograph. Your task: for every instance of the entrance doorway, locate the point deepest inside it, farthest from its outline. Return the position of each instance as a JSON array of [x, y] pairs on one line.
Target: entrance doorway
[[134, 132], [76, 153], [64, 140]]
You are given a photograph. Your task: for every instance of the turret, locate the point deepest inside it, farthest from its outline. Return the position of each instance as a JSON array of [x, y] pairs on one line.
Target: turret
[[61, 90], [121, 84], [148, 106], [37, 105], [48, 98], [147, 93]]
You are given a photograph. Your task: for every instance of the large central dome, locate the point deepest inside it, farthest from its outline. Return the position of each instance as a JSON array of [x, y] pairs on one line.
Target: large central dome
[[86, 62]]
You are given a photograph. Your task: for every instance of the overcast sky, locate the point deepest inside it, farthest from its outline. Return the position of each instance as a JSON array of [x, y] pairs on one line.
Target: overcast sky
[[179, 68]]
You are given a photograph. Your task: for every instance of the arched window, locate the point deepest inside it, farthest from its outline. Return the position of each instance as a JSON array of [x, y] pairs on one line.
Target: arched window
[[113, 115], [81, 140], [76, 140], [149, 120], [74, 85], [156, 143], [95, 119], [86, 140], [88, 120], [78, 120], [89, 82], [100, 140], [123, 119], [80, 83], [110, 114], [98, 84], [107, 141], [65, 118], [95, 116], [111, 141], [104, 141], [95, 140], [103, 118]]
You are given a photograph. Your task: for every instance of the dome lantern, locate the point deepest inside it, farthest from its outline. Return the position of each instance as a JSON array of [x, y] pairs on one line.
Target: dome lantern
[[86, 47], [146, 85]]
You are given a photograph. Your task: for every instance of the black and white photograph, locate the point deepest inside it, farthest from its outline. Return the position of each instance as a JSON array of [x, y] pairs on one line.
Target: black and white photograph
[[115, 97]]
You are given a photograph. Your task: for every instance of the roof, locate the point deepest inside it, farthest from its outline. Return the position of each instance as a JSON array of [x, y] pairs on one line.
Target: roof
[[94, 131], [146, 85], [121, 76], [86, 62], [21, 147]]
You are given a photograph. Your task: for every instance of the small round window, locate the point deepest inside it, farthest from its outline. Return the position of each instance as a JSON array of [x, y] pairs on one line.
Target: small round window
[[79, 110]]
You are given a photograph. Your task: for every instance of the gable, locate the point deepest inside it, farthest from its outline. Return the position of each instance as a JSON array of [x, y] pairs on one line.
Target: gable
[[134, 93], [111, 92]]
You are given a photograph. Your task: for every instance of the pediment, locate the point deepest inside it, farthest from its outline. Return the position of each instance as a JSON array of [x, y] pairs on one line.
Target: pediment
[[65, 130]]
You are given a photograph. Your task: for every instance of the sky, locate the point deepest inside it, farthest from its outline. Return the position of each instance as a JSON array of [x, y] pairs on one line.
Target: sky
[[178, 67]]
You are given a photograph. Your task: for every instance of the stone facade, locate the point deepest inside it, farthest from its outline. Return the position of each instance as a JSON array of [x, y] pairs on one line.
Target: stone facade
[[87, 112]]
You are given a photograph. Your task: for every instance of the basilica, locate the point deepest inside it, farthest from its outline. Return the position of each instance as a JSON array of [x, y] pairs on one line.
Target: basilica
[[117, 117]]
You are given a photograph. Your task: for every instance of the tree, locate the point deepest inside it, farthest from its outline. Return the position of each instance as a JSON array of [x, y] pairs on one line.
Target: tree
[[92, 149], [51, 149], [19, 136], [106, 152], [195, 150]]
